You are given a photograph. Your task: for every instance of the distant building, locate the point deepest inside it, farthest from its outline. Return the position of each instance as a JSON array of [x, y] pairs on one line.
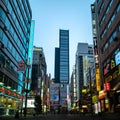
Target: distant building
[[62, 67], [38, 70], [84, 61], [15, 25], [64, 56], [57, 65], [73, 88]]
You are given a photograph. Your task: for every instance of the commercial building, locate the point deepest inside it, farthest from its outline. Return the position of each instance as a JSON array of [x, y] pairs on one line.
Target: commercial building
[[106, 36], [39, 69], [84, 77], [15, 24]]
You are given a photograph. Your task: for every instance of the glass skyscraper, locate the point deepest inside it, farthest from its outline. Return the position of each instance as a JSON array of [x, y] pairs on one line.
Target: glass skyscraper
[[64, 56], [15, 24]]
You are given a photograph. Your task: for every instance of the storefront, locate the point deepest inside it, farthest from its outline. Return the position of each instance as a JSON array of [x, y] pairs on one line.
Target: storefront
[[9, 101], [102, 99]]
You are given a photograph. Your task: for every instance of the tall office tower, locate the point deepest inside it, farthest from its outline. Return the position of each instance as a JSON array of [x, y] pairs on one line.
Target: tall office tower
[[15, 23], [62, 66], [57, 65], [64, 56], [84, 60], [106, 16]]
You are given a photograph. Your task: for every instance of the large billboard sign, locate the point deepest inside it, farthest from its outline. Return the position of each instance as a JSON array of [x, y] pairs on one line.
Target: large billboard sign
[[54, 94]]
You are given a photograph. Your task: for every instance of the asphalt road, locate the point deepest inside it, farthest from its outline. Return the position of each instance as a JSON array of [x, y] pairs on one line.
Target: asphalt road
[[66, 117]]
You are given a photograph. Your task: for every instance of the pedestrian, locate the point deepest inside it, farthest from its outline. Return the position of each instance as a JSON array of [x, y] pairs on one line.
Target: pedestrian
[[17, 114]]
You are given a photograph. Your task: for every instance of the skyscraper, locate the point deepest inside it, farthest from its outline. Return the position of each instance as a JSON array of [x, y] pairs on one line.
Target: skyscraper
[[15, 23], [64, 56], [62, 66]]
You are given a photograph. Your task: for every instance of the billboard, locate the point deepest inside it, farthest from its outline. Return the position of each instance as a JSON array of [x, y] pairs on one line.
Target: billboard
[[54, 94]]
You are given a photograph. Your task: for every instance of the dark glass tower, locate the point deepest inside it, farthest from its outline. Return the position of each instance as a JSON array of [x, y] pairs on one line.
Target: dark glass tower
[[57, 65], [64, 56]]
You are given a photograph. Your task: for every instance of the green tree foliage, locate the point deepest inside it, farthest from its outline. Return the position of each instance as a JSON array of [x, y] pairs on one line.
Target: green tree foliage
[[38, 105]]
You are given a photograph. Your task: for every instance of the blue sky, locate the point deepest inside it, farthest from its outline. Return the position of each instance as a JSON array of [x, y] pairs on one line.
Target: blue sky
[[52, 15]]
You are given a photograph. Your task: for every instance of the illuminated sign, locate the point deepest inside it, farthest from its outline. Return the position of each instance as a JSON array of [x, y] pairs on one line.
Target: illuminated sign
[[107, 86], [106, 69], [112, 64], [98, 79], [2, 90], [117, 58]]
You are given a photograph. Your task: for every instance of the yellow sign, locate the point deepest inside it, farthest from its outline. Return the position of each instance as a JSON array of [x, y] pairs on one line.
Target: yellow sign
[[98, 79], [84, 90], [112, 64], [94, 99]]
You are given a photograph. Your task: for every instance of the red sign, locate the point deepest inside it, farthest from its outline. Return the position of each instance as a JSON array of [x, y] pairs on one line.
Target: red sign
[[107, 86], [2, 90]]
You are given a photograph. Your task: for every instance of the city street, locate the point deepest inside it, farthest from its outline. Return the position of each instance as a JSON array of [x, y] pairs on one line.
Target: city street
[[66, 117]]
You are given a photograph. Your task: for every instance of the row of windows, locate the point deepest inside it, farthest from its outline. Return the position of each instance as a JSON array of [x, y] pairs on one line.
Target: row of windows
[[65, 55], [11, 29], [19, 21], [65, 37], [112, 37], [20, 16], [64, 77], [24, 32], [106, 12], [111, 20], [65, 46], [64, 60], [10, 47], [101, 7], [5, 61]]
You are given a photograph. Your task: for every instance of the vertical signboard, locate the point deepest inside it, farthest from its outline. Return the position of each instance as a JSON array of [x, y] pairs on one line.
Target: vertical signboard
[[98, 79]]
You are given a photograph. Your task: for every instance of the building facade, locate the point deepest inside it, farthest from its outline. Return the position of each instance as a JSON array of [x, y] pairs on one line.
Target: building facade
[[15, 24], [84, 62], [57, 65], [39, 68], [62, 67], [106, 16], [64, 56]]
